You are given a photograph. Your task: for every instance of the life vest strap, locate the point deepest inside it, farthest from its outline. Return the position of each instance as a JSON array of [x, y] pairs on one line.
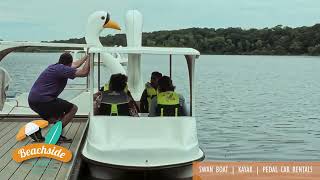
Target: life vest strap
[[114, 110], [175, 112]]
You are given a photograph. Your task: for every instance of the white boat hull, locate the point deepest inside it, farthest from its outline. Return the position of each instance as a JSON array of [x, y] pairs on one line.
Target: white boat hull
[[121, 144]]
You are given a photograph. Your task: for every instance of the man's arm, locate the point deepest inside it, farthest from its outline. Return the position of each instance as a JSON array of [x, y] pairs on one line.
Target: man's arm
[[79, 62], [96, 95], [96, 105], [84, 71]]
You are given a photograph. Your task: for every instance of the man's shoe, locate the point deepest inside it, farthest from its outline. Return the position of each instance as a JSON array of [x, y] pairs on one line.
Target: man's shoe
[[63, 139], [37, 136]]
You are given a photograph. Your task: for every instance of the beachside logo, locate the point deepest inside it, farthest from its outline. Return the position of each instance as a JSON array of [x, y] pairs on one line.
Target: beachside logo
[[47, 149]]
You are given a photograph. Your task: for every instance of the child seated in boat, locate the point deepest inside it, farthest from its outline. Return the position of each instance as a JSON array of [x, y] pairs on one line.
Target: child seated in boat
[[167, 102], [149, 92], [116, 101]]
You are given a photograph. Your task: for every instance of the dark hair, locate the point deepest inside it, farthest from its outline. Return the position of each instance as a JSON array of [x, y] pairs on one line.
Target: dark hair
[[156, 74], [118, 82], [65, 59], [165, 84]]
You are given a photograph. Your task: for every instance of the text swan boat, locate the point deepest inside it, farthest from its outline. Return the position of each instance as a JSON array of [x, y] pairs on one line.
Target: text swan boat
[[118, 144]]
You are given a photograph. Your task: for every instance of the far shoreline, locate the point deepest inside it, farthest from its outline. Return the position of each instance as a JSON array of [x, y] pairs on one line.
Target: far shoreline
[[201, 54], [276, 41]]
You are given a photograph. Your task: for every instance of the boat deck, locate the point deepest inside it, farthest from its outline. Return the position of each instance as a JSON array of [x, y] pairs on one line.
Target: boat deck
[[38, 168]]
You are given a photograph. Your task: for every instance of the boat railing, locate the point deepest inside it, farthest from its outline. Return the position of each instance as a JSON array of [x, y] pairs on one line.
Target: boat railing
[[78, 86]]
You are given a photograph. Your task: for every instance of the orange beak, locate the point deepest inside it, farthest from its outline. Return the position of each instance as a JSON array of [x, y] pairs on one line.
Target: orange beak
[[113, 25]]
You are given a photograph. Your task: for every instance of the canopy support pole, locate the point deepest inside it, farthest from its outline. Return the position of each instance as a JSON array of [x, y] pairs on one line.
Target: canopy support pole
[[191, 66], [170, 66], [91, 80], [98, 71]]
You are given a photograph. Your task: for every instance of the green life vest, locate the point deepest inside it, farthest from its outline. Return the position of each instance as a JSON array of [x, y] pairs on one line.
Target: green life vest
[[168, 104], [114, 104], [151, 92]]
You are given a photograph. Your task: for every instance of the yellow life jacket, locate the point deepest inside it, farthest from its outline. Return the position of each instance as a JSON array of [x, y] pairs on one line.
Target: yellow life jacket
[[168, 104], [106, 87]]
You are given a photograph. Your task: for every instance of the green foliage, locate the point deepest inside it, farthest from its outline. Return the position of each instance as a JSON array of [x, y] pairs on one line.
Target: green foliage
[[279, 40]]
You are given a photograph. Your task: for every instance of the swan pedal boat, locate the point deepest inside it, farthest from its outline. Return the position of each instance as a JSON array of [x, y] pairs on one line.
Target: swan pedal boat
[[116, 144]]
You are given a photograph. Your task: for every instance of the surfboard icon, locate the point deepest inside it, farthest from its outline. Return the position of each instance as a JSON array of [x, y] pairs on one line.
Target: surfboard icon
[[54, 133]]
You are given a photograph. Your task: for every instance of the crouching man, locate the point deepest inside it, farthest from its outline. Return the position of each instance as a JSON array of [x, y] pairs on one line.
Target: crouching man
[[43, 96]]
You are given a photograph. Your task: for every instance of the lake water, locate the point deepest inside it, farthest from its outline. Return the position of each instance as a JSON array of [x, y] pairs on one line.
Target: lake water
[[255, 108]]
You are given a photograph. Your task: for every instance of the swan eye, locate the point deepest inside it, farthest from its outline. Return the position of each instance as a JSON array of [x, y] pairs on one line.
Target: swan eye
[[103, 18]]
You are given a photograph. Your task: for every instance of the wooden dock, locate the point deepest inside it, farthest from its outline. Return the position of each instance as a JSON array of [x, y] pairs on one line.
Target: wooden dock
[[38, 168]]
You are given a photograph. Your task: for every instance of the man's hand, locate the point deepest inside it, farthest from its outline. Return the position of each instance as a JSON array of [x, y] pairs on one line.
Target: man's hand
[[78, 63], [84, 71]]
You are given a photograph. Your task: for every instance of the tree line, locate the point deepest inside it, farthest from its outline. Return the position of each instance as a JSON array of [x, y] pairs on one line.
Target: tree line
[[278, 40]]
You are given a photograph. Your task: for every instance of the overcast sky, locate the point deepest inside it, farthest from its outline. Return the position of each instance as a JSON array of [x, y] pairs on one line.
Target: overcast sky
[[63, 19]]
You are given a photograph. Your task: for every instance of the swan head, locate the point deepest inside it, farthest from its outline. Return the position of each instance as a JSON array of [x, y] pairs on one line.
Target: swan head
[[97, 21]]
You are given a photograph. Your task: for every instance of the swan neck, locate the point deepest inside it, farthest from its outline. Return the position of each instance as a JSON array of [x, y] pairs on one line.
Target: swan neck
[[92, 37]]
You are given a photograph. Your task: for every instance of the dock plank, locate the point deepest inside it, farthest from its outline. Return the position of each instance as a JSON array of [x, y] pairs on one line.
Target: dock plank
[[7, 129], [8, 140], [12, 166], [40, 166], [76, 149], [26, 166], [62, 169], [4, 125], [7, 157]]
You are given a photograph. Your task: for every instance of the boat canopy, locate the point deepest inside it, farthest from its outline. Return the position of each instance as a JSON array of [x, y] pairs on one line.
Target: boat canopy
[[190, 55], [147, 50], [41, 44], [6, 47]]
